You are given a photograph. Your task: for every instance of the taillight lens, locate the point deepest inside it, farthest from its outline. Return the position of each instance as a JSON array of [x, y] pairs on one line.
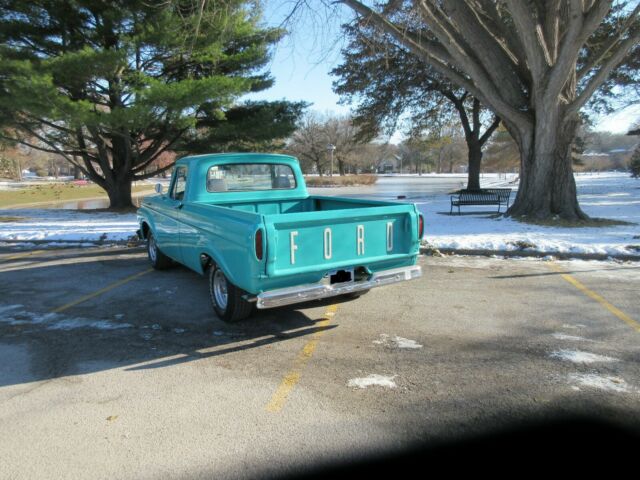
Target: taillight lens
[[420, 226], [259, 250]]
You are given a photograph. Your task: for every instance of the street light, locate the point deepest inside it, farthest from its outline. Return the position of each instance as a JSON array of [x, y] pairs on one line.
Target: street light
[[330, 148]]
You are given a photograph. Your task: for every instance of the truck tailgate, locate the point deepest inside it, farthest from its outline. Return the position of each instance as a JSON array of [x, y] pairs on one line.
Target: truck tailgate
[[332, 239]]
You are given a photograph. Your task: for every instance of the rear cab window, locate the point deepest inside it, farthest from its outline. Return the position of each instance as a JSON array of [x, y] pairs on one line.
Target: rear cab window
[[248, 177]]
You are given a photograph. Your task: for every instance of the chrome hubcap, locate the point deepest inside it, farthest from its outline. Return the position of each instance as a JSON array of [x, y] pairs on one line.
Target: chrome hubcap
[[220, 289], [152, 249]]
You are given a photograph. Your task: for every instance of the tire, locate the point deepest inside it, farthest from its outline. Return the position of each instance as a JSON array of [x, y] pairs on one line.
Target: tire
[[158, 260], [226, 298]]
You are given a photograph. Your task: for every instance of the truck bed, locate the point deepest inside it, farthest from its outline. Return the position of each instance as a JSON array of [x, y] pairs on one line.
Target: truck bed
[[320, 234], [308, 204]]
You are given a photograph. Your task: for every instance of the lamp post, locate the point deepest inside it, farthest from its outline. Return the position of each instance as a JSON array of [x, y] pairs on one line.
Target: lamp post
[[330, 148]]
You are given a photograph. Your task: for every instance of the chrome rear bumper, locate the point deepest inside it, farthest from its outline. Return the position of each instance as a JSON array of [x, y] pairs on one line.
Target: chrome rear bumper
[[304, 293]]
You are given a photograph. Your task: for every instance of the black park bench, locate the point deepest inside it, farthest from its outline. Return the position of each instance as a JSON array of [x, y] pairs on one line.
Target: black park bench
[[485, 196]]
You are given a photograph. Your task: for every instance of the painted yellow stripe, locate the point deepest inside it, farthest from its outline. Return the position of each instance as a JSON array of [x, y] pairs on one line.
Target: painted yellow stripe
[[290, 380], [100, 292], [22, 255], [598, 298]]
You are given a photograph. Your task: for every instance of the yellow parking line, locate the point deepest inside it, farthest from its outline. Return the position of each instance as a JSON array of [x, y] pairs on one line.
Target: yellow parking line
[[598, 298], [279, 398], [22, 255], [100, 292]]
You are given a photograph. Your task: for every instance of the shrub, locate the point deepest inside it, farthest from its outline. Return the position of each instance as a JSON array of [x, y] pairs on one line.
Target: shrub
[[341, 181]]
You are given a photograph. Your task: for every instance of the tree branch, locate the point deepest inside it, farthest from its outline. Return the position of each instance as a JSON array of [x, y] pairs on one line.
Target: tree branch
[[489, 131], [602, 74], [524, 22], [599, 57], [484, 46], [152, 174], [580, 27], [485, 91]]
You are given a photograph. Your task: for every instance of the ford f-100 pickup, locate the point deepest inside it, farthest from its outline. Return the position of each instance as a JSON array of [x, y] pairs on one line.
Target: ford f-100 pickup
[[247, 221]]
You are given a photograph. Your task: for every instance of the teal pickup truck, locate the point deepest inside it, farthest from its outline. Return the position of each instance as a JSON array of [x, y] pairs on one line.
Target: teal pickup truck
[[247, 221]]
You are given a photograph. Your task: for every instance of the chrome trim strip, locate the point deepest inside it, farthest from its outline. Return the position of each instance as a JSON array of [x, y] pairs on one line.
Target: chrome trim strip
[[315, 291]]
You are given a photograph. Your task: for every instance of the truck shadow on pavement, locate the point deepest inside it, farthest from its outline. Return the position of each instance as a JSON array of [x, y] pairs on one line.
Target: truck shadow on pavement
[[159, 320]]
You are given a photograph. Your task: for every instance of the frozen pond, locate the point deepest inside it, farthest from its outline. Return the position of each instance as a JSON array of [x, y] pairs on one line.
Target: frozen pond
[[386, 188]]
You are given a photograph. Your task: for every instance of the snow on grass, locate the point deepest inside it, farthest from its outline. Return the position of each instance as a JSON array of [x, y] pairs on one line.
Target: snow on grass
[[373, 380], [67, 226], [397, 342], [614, 196], [17, 315], [600, 382], [578, 356]]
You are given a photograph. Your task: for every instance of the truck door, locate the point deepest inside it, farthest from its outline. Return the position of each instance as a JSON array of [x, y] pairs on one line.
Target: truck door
[[167, 223]]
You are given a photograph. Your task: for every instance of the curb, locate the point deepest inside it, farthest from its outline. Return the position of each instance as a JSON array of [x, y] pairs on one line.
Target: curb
[[534, 254]]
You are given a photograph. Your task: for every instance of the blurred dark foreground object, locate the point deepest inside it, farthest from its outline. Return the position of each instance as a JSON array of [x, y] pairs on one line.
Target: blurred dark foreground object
[[542, 449]]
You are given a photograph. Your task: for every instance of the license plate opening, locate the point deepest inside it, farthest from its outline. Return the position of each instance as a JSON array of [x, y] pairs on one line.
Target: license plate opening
[[341, 276]]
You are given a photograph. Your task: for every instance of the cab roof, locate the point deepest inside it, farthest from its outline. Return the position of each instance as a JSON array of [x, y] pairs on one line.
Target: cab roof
[[240, 157]]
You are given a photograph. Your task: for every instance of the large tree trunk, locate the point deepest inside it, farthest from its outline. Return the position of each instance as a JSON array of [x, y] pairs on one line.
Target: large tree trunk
[[547, 187], [119, 194], [475, 160]]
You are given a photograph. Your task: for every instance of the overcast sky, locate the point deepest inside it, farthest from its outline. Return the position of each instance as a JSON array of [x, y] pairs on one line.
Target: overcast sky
[[302, 62]]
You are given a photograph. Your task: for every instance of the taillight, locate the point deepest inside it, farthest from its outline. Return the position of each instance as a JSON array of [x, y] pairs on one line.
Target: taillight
[[259, 251], [420, 226]]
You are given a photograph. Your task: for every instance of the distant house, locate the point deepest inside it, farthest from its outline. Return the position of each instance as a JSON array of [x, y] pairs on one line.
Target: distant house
[[388, 164]]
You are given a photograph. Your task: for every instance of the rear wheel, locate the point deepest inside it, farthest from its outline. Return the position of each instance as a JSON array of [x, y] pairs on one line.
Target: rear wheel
[[158, 260], [226, 298]]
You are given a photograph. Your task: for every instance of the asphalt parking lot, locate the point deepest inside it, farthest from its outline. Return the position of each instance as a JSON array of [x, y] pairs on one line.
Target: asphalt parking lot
[[110, 368]]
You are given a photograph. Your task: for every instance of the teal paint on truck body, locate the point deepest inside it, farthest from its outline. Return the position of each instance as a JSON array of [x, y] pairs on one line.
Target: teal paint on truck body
[[303, 237]]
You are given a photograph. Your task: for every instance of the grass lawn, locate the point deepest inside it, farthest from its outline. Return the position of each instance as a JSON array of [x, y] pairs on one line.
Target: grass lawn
[[56, 192]]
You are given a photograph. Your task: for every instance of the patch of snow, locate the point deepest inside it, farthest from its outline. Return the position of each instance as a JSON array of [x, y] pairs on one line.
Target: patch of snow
[[16, 315], [373, 380], [600, 382], [573, 327], [63, 226], [397, 342], [572, 338], [608, 195], [578, 356], [74, 323], [7, 308]]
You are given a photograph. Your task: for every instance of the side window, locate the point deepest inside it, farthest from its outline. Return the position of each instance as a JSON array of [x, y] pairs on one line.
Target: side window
[[179, 184]]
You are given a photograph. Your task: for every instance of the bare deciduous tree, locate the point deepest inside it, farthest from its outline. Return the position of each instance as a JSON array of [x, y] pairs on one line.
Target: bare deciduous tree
[[310, 141]]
